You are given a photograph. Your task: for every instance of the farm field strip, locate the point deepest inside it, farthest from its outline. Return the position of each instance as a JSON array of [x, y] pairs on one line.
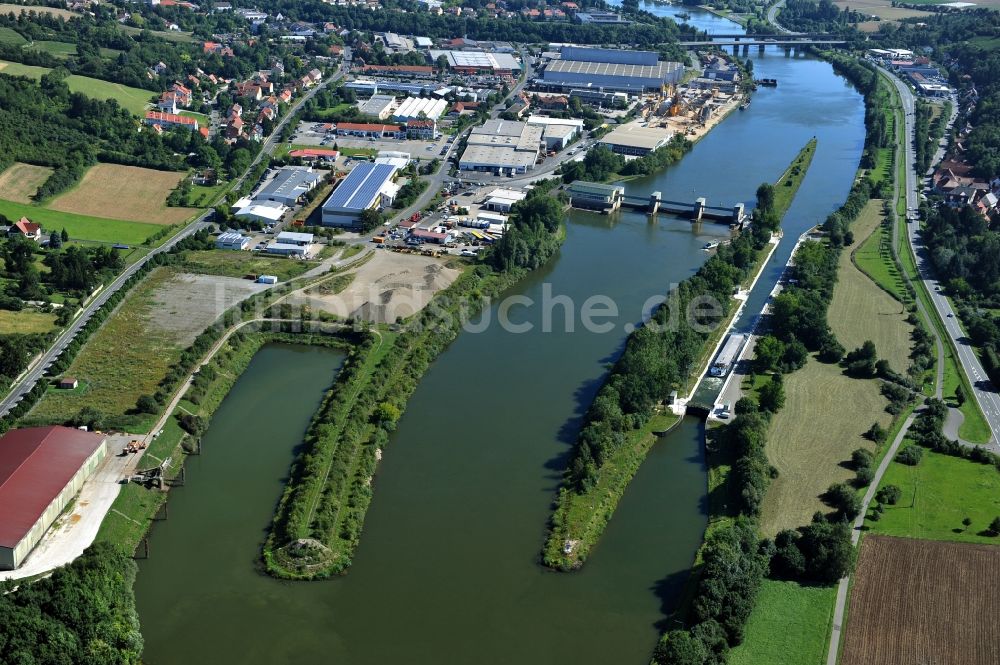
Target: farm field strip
[[861, 310], [81, 227], [20, 181], [923, 602], [126, 193]]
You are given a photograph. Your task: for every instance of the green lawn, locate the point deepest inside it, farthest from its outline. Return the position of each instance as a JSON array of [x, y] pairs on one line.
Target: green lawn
[[57, 49], [938, 494], [169, 35], [82, 227], [238, 264], [11, 37], [790, 624], [883, 165], [26, 321], [874, 257], [133, 99], [203, 120]]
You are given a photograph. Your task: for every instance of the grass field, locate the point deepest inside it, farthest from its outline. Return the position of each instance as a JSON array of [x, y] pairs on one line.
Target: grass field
[[127, 193], [26, 321], [861, 310], [81, 227], [20, 181], [134, 99], [881, 8], [57, 49], [169, 35], [874, 255], [790, 624], [9, 36], [238, 264], [822, 422], [124, 359], [7, 8], [923, 602], [938, 494]]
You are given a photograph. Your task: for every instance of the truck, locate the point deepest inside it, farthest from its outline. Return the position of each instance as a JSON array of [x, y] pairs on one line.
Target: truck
[[730, 351]]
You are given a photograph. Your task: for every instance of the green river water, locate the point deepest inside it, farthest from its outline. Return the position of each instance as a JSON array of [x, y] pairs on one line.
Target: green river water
[[447, 570]]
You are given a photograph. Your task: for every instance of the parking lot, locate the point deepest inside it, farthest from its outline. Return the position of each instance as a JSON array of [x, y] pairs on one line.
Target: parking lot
[[312, 133]]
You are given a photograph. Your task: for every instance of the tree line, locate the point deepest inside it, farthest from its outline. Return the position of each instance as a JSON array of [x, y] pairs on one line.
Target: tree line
[[84, 613]]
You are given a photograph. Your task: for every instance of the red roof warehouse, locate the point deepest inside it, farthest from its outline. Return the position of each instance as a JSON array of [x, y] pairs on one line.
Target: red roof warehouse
[[41, 470]]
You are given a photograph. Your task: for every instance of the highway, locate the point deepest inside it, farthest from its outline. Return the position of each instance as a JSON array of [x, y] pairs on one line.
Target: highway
[[986, 396], [26, 382]]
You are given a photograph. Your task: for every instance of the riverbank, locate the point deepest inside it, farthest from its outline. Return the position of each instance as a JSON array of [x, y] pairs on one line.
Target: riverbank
[[136, 507], [318, 521], [609, 448]]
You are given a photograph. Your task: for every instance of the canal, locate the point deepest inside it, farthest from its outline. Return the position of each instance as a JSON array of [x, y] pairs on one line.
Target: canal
[[447, 567]]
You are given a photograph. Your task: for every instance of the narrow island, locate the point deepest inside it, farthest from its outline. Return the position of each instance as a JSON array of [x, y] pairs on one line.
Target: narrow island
[[631, 408]]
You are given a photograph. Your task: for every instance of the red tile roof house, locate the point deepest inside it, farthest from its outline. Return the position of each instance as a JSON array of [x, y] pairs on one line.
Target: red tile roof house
[[25, 229], [170, 120], [41, 470]]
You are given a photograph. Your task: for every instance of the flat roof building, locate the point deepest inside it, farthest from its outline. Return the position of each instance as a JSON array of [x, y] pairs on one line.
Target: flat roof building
[[478, 62], [234, 241], [610, 55], [288, 185], [636, 139], [502, 200], [502, 146], [41, 470], [610, 76], [367, 186], [287, 249], [267, 213], [295, 238], [378, 106]]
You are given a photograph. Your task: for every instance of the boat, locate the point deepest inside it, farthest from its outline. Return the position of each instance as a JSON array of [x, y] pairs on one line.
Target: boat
[[745, 105], [710, 245]]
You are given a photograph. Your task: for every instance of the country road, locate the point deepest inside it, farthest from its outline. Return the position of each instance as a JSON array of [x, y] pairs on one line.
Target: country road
[[26, 382], [985, 394]]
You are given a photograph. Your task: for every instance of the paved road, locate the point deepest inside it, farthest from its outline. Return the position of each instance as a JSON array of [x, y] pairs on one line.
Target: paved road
[[28, 380], [986, 396], [772, 17]]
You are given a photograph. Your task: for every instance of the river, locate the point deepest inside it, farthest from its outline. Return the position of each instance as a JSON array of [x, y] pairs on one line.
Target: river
[[447, 568]]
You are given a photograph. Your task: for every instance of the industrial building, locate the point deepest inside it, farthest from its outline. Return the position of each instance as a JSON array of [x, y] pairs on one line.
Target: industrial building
[[287, 249], [268, 213], [41, 470], [479, 62], [600, 99], [595, 195], [636, 139], [378, 106], [502, 200], [557, 133], [292, 238], [367, 186], [288, 185], [502, 147], [419, 108], [610, 70], [232, 241]]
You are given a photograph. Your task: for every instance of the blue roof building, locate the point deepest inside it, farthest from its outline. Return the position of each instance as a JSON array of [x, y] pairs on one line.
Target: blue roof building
[[367, 186]]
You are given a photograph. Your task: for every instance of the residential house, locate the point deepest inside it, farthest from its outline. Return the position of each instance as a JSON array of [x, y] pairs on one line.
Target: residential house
[[422, 129], [26, 229]]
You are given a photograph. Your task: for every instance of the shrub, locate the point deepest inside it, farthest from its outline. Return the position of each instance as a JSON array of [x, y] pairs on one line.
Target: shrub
[[910, 455], [889, 494], [844, 499]]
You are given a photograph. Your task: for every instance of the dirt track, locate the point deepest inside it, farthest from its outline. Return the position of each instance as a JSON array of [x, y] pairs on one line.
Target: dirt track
[[387, 287]]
